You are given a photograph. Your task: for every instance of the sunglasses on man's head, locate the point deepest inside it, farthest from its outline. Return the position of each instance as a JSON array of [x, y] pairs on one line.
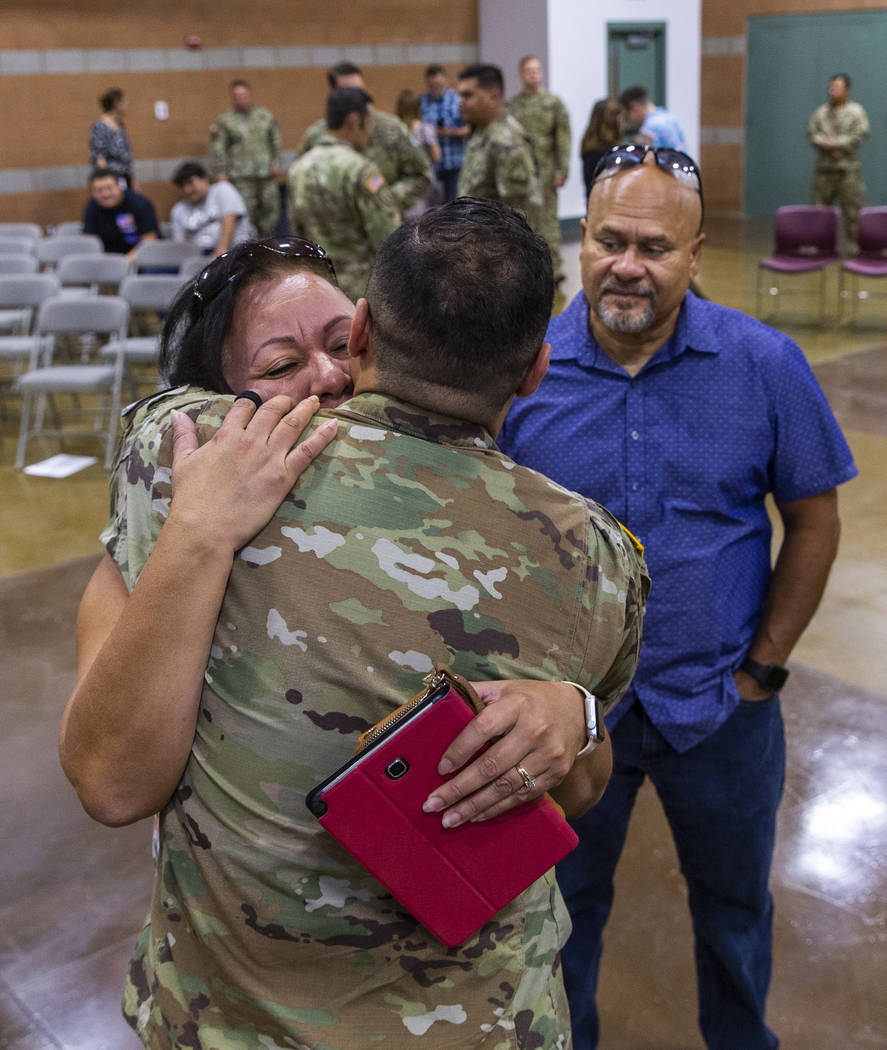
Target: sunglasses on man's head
[[213, 279], [673, 161]]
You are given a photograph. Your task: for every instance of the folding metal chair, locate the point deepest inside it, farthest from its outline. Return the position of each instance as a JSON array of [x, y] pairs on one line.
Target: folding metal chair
[[10, 245], [85, 274], [193, 266], [144, 291], [51, 250], [21, 229], [98, 315], [17, 266], [806, 241], [870, 264], [72, 228], [20, 295], [163, 255]]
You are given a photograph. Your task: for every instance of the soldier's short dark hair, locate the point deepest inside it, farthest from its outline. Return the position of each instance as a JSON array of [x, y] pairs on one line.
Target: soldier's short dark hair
[[525, 60], [344, 101], [240, 82], [635, 93], [187, 171], [193, 336], [460, 301], [342, 69], [488, 77], [841, 76], [434, 69], [102, 173]]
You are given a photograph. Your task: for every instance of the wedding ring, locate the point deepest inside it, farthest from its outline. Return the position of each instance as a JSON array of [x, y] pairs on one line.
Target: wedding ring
[[528, 782]]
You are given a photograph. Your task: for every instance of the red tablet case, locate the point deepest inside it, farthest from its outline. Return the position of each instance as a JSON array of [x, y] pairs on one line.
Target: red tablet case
[[452, 880]]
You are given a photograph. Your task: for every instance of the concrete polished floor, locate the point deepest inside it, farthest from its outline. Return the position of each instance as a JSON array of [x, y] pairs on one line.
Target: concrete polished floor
[[72, 894]]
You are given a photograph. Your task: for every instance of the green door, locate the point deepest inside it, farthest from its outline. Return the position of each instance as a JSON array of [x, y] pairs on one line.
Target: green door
[[636, 55], [789, 61]]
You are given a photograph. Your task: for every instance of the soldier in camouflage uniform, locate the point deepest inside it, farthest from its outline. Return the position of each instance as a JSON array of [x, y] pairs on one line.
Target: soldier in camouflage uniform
[[406, 167], [836, 131], [499, 160], [544, 118], [245, 143], [411, 540], [338, 197]]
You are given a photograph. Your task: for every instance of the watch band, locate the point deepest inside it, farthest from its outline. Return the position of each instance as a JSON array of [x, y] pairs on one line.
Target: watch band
[[594, 720], [768, 676]]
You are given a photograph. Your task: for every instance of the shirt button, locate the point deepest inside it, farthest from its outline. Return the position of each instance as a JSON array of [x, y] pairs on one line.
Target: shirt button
[[635, 486], [634, 435]]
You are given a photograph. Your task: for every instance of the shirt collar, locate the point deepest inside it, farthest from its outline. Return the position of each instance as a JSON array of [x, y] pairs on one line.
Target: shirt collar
[[692, 333], [393, 414]]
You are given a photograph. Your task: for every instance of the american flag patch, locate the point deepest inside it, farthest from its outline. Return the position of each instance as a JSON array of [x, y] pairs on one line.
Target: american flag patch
[[374, 183]]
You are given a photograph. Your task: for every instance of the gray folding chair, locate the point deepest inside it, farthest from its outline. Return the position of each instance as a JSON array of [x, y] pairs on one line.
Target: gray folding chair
[[21, 295], [96, 315], [16, 266], [163, 255], [51, 250], [68, 229], [193, 266], [17, 245], [21, 229], [144, 291], [85, 274]]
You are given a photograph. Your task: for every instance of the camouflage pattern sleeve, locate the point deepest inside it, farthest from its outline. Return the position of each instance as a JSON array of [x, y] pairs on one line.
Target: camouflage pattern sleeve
[[314, 133], [562, 138], [218, 145], [516, 178], [406, 167], [275, 143], [377, 206], [141, 478]]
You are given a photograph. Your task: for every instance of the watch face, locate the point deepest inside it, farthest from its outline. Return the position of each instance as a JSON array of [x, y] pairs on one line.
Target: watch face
[[775, 678]]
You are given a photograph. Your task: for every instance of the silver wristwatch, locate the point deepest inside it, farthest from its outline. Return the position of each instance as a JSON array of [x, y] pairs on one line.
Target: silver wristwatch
[[594, 720]]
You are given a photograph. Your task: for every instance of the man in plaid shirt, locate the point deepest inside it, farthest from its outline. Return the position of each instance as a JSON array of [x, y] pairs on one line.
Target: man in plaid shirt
[[440, 107]]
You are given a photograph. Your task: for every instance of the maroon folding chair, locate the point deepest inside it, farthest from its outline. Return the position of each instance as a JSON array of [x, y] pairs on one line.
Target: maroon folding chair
[[869, 264], [805, 241]]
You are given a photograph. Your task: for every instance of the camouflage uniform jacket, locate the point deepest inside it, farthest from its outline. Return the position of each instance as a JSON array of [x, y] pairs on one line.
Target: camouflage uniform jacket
[[340, 199], [406, 167], [411, 539], [847, 127], [500, 165], [245, 145], [547, 123]]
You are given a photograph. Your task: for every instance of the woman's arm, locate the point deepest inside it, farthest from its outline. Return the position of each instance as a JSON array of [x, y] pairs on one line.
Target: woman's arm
[[127, 729], [539, 726]]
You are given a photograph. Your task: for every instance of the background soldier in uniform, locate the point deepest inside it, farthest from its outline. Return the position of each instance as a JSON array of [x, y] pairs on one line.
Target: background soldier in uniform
[[245, 142], [338, 196], [836, 130], [544, 118], [499, 161], [406, 167]]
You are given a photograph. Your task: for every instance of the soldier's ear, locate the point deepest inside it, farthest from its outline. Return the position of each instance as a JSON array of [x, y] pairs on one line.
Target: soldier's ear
[[535, 373], [361, 327]]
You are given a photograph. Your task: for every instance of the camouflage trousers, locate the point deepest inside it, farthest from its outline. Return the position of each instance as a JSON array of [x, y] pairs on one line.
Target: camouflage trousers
[[546, 222], [844, 188], [262, 200]]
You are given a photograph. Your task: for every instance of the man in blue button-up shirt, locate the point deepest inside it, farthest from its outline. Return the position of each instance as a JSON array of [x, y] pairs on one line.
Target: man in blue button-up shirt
[[681, 416], [440, 107]]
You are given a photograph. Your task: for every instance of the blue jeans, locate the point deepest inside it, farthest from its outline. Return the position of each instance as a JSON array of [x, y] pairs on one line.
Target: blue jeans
[[720, 799], [449, 178]]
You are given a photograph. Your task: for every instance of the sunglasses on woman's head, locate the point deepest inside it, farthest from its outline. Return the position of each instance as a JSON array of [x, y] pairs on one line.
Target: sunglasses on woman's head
[[210, 281]]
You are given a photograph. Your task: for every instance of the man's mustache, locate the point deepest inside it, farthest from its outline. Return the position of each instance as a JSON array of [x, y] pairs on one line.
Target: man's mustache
[[628, 288]]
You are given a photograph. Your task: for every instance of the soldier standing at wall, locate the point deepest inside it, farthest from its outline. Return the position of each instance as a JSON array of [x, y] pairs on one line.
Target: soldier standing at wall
[[406, 167], [245, 142], [544, 118], [499, 160], [836, 130], [338, 196]]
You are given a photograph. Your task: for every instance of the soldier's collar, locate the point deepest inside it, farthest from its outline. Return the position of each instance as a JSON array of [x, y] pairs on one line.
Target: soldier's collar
[[394, 414]]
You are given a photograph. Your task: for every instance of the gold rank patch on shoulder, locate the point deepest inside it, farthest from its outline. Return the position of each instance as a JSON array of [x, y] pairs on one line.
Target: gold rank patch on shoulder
[[374, 183]]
